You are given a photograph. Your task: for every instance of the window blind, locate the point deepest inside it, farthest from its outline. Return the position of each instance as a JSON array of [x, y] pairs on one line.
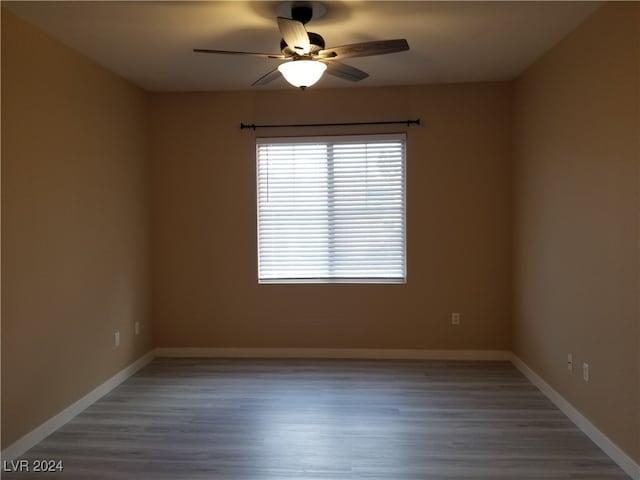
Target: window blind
[[331, 209]]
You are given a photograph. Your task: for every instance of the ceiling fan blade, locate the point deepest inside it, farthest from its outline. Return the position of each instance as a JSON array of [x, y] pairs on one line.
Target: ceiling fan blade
[[229, 52], [365, 49], [294, 35], [269, 77], [344, 71]]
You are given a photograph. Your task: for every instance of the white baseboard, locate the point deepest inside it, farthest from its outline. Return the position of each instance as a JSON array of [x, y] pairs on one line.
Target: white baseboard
[[38, 434], [623, 460], [335, 353]]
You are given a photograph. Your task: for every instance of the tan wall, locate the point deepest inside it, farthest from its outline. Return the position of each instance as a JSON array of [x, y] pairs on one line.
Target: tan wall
[[74, 226], [577, 273], [458, 223]]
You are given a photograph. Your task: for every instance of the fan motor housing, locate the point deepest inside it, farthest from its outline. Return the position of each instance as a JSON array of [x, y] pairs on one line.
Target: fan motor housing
[[316, 41]]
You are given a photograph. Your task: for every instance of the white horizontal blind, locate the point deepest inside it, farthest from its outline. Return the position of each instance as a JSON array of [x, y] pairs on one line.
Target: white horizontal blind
[[331, 209]]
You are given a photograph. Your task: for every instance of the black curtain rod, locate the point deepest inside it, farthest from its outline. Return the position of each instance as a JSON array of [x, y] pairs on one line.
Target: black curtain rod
[[397, 122]]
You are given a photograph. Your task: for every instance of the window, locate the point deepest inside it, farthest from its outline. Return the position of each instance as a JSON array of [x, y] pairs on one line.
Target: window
[[331, 209]]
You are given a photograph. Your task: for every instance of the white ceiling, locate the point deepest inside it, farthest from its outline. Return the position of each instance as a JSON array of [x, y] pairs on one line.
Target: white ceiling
[[150, 43]]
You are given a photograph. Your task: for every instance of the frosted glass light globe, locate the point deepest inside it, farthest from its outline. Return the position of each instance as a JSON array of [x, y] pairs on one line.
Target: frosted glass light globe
[[302, 73]]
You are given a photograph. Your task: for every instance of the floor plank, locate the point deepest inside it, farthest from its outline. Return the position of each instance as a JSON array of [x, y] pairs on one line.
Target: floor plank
[[323, 419]]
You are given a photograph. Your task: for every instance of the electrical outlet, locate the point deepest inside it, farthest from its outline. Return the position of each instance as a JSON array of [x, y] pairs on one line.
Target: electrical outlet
[[137, 328], [585, 371], [455, 318], [570, 362], [117, 338]]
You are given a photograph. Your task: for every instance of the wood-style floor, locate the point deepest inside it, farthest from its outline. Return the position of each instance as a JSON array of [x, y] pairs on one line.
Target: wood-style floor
[[323, 419]]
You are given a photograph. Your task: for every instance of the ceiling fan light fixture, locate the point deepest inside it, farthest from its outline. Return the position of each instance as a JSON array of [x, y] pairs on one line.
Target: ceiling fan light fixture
[[302, 73]]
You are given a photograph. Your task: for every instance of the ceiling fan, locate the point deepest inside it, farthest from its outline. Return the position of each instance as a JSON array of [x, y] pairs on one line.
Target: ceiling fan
[[305, 56]]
